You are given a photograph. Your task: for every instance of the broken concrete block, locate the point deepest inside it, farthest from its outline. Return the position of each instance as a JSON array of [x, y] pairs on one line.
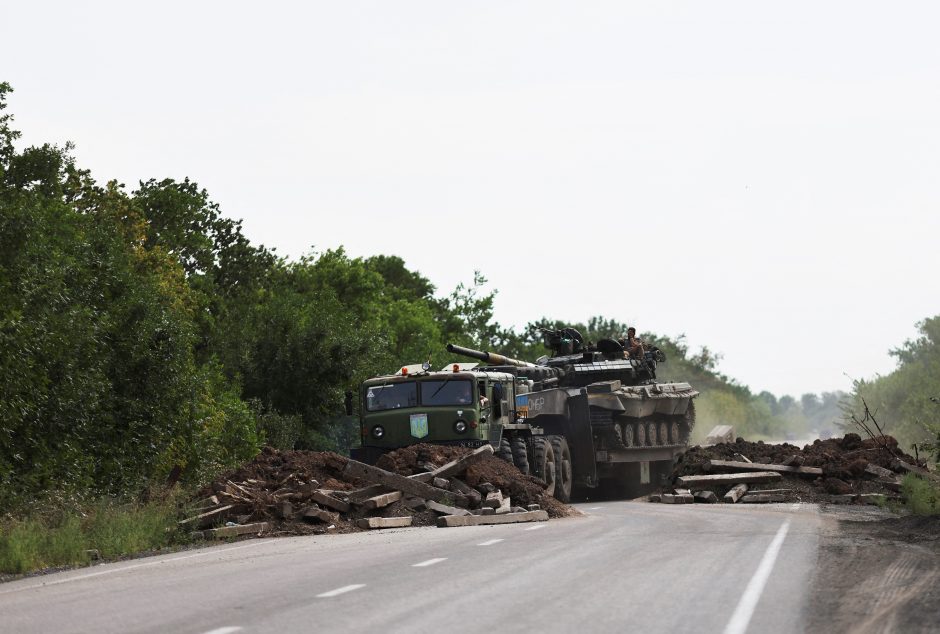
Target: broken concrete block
[[762, 498], [704, 481], [284, 510], [442, 483], [473, 496], [880, 472], [396, 482], [655, 497], [209, 517], [505, 506], [533, 507], [487, 510], [669, 498]]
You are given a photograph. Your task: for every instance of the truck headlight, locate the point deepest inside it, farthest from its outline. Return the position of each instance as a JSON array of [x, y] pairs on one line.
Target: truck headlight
[[378, 431], [460, 426]]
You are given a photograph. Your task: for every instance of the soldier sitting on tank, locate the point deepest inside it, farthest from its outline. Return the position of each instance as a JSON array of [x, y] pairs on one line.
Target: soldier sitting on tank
[[633, 347]]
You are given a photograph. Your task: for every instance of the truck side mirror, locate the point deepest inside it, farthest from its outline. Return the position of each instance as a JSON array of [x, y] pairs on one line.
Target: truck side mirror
[[349, 403]]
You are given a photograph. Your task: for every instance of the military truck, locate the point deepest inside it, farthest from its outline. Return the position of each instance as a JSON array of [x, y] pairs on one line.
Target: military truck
[[587, 416]]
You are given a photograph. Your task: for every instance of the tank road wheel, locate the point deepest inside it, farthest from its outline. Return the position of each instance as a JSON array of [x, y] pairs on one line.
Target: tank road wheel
[[505, 450], [520, 456], [627, 435], [651, 435], [674, 434], [563, 474], [640, 435], [663, 434], [543, 463]]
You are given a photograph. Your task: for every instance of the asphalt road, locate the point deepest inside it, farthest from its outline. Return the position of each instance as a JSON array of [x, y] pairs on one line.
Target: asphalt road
[[622, 567]]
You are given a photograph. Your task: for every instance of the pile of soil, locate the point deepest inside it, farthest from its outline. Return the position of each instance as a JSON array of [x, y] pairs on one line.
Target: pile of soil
[[258, 490], [843, 462]]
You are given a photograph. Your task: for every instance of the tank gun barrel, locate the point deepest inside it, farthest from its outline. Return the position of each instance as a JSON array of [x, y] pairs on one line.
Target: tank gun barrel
[[488, 357]]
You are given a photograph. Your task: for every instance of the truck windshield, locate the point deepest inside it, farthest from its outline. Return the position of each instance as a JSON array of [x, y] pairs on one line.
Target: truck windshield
[[453, 392], [391, 396]]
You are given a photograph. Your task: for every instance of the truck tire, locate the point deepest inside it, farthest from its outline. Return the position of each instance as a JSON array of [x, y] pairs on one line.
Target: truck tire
[[543, 463], [505, 450], [520, 454], [563, 472]]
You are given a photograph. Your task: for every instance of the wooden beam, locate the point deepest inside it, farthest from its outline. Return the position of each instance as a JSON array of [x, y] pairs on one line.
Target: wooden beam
[[735, 494], [328, 500], [383, 522], [394, 481], [813, 472], [703, 481], [381, 501], [448, 521]]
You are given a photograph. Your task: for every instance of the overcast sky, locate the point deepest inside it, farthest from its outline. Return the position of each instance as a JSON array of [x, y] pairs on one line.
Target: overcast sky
[[762, 177]]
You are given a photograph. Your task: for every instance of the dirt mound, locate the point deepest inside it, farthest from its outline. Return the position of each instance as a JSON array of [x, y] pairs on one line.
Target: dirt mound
[[304, 492], [847, 465]]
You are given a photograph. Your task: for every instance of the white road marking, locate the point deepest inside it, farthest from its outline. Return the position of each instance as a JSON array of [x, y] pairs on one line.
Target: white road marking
[[595, 508], [225, 630], [339, 591], [490, 542], [55, 582], [745, 610], [429, 562], [534, 528]]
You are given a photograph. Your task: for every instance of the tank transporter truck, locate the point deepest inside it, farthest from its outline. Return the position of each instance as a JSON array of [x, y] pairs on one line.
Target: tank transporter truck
[[582, 418]]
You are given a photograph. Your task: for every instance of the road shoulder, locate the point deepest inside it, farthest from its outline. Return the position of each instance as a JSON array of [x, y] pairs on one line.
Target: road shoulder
[[876, 573]]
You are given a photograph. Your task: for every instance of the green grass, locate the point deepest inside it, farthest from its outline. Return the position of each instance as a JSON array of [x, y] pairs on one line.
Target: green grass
[[921, 496], [65, 539]]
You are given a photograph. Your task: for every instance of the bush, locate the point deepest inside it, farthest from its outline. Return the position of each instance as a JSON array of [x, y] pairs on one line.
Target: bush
[[922, 497]]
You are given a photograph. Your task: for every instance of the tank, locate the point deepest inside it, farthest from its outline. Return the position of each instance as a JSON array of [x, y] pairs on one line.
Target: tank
[[610, 406]]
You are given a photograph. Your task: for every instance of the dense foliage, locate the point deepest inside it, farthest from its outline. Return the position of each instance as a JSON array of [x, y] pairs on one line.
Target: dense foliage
[[906, 403], [143, 337]]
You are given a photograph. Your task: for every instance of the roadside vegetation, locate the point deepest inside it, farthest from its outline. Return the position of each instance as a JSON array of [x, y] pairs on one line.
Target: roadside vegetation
[[146, 343]]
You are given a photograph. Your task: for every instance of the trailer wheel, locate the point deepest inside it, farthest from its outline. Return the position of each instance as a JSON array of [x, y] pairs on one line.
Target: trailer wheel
[[543, 462], [520, 455], [505, 450], [562, 468]]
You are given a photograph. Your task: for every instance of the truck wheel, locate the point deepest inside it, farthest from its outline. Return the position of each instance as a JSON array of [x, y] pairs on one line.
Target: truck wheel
[[543, 462], [562, 468], [505, 450], [520, 455]]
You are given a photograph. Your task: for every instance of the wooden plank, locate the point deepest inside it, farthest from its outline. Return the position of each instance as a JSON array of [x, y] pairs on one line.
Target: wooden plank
[[365, 493], [207, 518], [381, 501], [703, 481], [458, 466], [735, 494], [910, 468], [473, 496], [762, 498], [328, 500], [383, 522], [235, 531], [448, 521], [880, 472], [707, 497], [750, 466], [394, 481], [443, 509]]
